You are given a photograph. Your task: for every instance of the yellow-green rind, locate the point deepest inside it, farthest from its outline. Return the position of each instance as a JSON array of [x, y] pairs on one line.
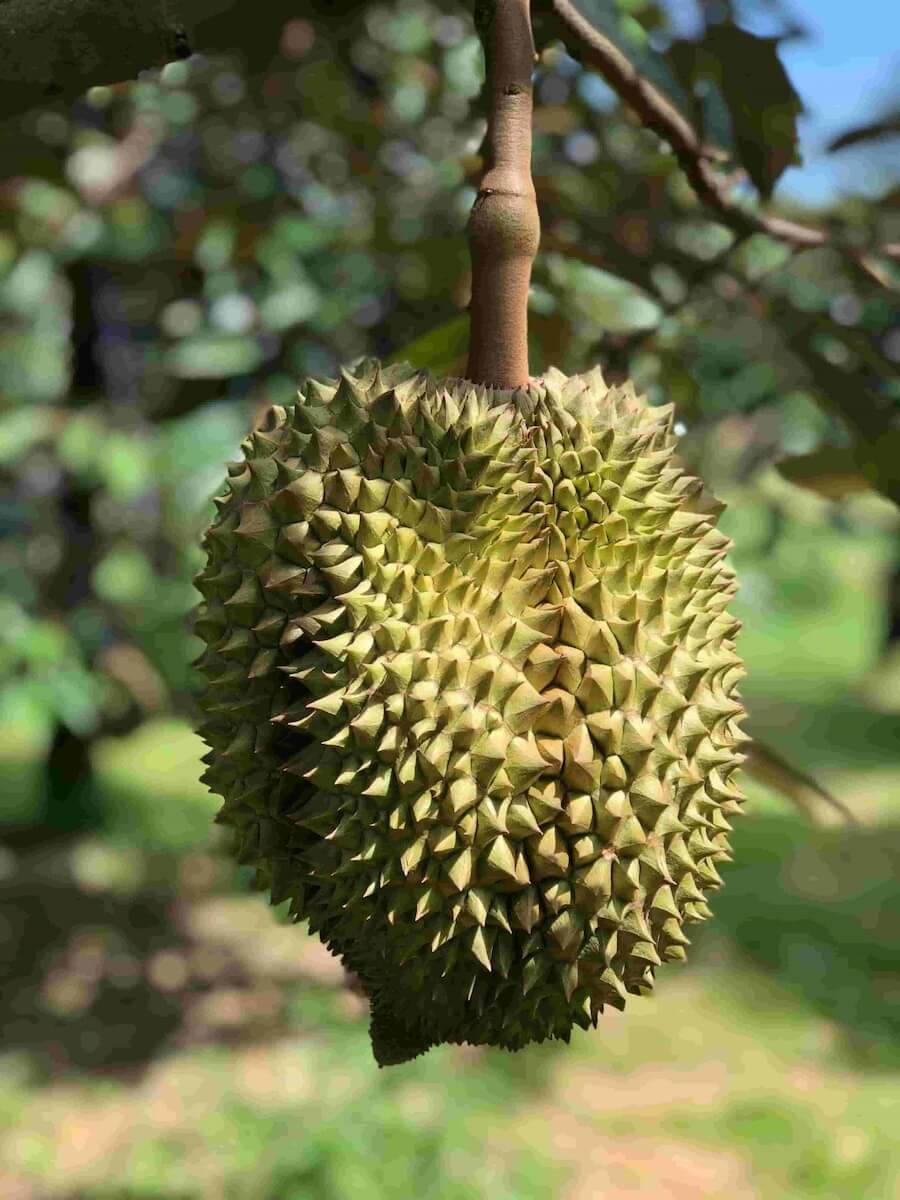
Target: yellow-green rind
[[471, 693]]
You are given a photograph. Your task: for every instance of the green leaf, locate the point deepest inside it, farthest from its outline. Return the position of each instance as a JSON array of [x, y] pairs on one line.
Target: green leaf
[[215, 245], [46, 644], [405, 32], [289, 305], [123, 576], [439, 350], [125, 465], [33, 365], [463, 67], [880, 462], [20, 429], [15, 628], [684, 58], [214, 357], [832, 472], [301, 235], [761, 100], [28, 284], [609, 302], [74, 695], [78, 445], [7, 253]]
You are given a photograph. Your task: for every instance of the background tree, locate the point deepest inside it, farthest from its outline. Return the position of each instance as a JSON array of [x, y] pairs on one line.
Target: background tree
[[219, 229], [291, 192]]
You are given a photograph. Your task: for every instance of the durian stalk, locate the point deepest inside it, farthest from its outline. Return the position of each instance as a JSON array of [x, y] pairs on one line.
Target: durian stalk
[[504, 229]]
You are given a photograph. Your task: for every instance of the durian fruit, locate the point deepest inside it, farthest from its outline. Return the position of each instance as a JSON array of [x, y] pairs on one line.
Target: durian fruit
[[471, 694]]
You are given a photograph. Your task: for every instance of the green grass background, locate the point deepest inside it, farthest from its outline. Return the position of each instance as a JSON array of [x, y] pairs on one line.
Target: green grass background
[[768, 1066]]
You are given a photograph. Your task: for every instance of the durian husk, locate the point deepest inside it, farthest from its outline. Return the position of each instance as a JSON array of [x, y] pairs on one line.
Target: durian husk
[[471, 693]]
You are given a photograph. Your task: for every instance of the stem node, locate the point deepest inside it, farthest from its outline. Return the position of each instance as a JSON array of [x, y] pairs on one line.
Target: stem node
[[504, 228]]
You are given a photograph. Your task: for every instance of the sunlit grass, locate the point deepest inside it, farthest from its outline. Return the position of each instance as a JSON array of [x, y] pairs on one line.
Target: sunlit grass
[[772, 1056]]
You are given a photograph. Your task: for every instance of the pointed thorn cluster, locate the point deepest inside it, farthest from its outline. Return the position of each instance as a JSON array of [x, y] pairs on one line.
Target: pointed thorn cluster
[[471, 694]]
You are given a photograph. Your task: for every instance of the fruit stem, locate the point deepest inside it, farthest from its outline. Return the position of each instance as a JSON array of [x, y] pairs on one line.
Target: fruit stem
[[504, 228]]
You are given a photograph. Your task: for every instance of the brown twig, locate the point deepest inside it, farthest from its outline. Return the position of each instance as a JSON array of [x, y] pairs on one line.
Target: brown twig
[[504, 228], [656, 112], [770, 768]]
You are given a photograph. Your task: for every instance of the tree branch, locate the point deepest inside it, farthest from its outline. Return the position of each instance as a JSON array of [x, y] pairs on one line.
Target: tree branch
[[657, 112], [54, 50], [870, 417]]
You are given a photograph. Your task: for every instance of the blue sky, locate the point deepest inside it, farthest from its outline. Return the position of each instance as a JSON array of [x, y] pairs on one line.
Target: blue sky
[[846, 72]]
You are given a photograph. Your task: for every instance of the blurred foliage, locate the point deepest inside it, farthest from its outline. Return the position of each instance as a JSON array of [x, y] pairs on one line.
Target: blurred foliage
[[175, 252], [828, 922], [167, 1037]]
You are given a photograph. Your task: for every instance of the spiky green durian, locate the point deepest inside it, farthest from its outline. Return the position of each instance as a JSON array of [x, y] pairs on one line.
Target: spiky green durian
[[471, 693]]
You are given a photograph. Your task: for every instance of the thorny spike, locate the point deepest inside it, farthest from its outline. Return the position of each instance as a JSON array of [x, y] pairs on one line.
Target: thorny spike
[[471, 694]]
